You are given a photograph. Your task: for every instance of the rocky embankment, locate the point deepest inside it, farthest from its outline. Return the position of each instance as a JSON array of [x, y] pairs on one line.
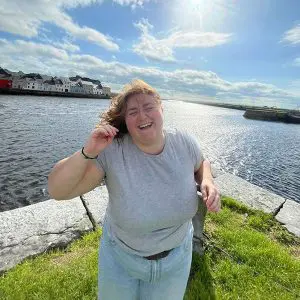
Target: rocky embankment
[[260, 113], [34, 229], [287, 116]]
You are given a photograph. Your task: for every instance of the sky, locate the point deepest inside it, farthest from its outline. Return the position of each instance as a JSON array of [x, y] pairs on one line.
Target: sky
[[237, 51]]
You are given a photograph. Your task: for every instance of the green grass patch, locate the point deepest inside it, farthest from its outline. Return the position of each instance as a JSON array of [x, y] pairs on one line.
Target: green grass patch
[[249, 255], [59, 274]]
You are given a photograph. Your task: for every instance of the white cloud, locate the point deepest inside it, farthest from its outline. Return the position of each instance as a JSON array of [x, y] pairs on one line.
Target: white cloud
[[65, 43], [297, 62], [144, 25], [162, 49], [292, 36], [259, 89], [76, 3], [132, 3], [197, 39], [47, 59], [67, 46], [149, 47], [31, 49], [26, 18]]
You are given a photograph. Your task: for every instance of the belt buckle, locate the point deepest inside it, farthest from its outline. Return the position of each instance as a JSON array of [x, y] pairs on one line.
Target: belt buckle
[[158, 255]]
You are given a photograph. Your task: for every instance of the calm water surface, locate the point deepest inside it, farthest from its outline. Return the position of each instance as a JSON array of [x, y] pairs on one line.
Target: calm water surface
[[36, 132]]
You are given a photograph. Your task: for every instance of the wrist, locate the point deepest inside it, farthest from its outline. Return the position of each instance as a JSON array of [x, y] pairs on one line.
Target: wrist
[[207, 175], [208, 179], [87, 154]]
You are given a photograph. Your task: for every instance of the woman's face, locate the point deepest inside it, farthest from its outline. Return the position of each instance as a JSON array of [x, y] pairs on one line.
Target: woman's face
[[144, 118]]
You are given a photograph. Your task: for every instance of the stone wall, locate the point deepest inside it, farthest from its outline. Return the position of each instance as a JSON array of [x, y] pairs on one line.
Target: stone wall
[[34, 229]]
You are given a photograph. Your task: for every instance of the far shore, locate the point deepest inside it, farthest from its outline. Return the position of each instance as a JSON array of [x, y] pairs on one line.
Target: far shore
[[51, 94], [240, 106], [263, 113]]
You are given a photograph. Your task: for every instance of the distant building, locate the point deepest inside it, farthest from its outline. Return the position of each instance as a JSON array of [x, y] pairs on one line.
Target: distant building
[[66, 85], [31, 81], [35, 81], [5, 79], [17, 82], [76, 87], [59, 86], [5, 83], [88, 87], [54, 85], [98, 89], [106, 91], [49, 85], [4, 74]]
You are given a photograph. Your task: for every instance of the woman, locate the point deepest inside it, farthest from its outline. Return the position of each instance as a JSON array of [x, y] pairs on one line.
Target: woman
[[150, 173]]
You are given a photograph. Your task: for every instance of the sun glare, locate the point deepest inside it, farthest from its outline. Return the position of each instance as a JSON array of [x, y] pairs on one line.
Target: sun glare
[[203, 15]]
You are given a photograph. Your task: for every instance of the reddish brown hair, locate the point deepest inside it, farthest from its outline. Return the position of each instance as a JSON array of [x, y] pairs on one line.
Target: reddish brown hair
[[115, 115]]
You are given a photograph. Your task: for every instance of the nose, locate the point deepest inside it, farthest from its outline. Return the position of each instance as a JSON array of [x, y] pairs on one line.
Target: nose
[[141, 114]]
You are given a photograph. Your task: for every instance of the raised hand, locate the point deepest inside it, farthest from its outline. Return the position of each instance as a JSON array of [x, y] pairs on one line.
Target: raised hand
[[99, 139]]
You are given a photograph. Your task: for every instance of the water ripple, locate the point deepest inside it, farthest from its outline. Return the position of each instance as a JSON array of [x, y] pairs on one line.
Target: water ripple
[[36, 132]]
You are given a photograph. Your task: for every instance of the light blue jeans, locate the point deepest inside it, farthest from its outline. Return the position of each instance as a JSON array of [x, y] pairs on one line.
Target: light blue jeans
[[126, 276]]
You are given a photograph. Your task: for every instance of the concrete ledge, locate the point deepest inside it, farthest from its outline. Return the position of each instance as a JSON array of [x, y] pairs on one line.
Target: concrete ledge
[[216, 171], [289, 215], [248, 193], [33, 229]]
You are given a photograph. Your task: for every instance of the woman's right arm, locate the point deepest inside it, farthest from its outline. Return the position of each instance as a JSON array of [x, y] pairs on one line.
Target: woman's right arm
[[75, 175]]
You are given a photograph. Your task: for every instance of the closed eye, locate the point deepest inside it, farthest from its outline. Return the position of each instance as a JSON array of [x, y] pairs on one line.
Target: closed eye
[[133, 113]]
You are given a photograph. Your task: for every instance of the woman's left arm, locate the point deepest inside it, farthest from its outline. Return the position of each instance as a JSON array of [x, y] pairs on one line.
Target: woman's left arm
[[210, 193]]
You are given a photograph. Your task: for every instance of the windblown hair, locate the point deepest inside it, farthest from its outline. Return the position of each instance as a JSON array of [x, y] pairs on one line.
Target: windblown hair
[[115, 115]]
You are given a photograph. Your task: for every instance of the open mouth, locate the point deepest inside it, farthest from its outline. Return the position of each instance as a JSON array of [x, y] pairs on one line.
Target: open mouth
[[145, 126]]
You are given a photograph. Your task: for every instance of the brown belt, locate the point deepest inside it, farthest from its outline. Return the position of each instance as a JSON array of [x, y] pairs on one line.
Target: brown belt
[[158, 255]]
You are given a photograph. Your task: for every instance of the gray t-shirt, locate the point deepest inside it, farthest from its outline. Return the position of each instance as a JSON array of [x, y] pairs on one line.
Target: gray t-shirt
[[152, 198]]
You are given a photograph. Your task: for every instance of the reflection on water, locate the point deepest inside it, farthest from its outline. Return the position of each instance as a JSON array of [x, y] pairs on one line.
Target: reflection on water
[[36, 132]]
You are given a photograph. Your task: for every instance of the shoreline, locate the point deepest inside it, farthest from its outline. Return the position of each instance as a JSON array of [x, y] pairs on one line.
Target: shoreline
[[240, 106], [20, 92], [263, 113]]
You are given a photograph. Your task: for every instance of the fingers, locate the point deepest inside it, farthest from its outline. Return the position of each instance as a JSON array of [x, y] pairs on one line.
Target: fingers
[[204, 193], [107, 130], [101, 137], [211, 197], [112, 130], [215, 206]]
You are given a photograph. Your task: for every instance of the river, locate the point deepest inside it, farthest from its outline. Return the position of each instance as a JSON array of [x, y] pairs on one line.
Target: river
[[36, 132]]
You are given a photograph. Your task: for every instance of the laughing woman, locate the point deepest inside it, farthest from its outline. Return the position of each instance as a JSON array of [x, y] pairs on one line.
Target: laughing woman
[[151, 175]]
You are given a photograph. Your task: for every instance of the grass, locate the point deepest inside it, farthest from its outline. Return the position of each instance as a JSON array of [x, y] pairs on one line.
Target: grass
[[249, 255]]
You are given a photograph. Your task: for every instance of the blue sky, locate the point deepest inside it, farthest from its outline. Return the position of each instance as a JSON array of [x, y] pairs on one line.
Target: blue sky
[[217, 50]]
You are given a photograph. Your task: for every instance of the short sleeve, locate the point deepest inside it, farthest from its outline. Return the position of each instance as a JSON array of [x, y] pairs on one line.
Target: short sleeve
[[195, 150], [101, 161]]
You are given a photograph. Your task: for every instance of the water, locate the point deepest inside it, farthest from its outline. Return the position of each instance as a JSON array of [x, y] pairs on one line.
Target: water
[[36, 132]]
